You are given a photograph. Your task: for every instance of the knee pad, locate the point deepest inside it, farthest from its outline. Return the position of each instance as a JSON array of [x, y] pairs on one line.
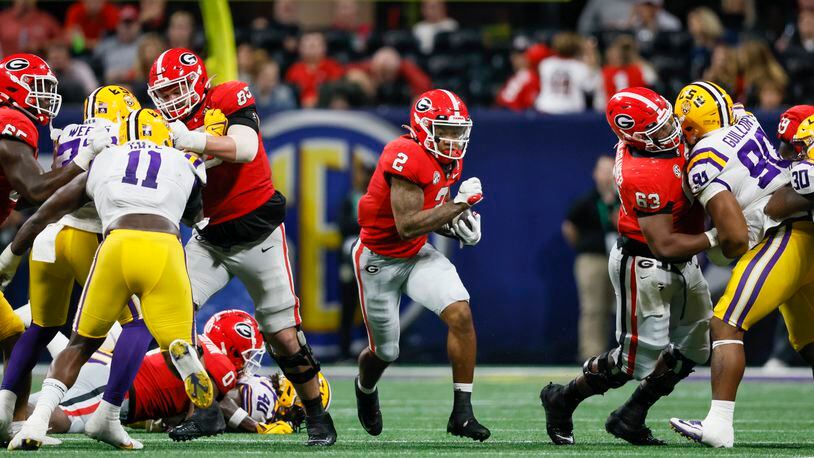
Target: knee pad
[[303, 357], [678, 368], [387, 352], [607, 374]]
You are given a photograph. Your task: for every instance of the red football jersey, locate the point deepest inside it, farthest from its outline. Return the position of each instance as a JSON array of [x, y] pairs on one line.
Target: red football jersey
[[18, 126], [405, 158], [653, 184], [233, 189], [160, 394]]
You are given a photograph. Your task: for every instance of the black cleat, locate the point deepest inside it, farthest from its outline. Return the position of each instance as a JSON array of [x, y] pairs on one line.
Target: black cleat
[[368, 411], [321, 431], [558, 422], [202, 423], [637, 433], [467, 427]]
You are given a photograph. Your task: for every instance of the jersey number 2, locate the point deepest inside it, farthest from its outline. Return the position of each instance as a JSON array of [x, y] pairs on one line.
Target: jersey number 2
[[149, 181], [398, 163]]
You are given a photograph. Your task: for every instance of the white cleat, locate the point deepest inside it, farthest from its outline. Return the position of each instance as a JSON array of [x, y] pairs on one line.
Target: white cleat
[[49, 441], [110, 432], [197, 383], [31, 437], [7, 401], [711, 434]]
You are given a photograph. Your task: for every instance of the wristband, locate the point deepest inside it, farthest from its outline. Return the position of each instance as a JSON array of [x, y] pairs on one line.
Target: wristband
[[712, 236], [237, 418]]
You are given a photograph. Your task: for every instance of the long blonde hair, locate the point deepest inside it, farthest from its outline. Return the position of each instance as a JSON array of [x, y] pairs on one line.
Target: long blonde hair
[[758, 64]]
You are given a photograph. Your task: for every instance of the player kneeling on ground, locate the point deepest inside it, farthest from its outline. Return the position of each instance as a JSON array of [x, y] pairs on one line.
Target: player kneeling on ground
[[140, 190], [663, 302], [408, 197]]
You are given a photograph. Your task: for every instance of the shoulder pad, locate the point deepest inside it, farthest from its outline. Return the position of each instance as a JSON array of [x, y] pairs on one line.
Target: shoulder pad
[[704, 165]]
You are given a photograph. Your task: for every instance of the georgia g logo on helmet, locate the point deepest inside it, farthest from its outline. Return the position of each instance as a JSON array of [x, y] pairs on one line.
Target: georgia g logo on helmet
[[17, 64], [624, 121], [784, 124], [423, 104], [188, 59], [244, 330]]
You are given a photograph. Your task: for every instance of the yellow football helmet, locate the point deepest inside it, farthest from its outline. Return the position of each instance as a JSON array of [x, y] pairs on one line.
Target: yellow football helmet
[[702, 107], [289, 406], [146, 124], [804, 137], [110, 102]]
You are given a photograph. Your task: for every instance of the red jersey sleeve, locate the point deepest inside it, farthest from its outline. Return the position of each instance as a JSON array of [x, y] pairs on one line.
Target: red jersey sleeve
[[402, 160], [645, 196], [231, 97], [17, 126], [218, 366]]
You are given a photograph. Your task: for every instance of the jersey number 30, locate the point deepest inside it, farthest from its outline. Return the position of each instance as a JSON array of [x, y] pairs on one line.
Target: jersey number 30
[[149, 181]]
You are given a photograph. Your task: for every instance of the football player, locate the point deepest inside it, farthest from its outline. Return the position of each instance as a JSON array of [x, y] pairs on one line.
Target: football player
[[242, 233], [407, 199], [734, 161], [140, 190], [663, 301], [28, 96], [62, 254]]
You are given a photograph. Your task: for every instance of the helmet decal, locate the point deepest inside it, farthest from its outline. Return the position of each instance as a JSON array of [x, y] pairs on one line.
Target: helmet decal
[[17, 64], [188, 59], [624, 121], [423, 104], [244, 330]]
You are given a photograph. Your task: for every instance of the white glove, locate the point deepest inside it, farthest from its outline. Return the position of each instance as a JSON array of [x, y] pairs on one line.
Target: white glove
[[185, 139], [470, 192], [102, 136], [467, 227], [8, 266], [712, 235]]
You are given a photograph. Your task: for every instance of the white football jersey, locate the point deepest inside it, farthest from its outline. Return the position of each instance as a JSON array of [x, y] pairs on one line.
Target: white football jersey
[[72, 138], [142, 177], [742, 160], [564, 84], [802, 174], [257, 397]]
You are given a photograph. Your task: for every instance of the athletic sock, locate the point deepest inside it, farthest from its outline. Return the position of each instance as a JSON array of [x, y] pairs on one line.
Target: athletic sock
[[133, 343], [363, 389], [313, 407], [20, 364], [51, 395], [462, 403], [721, 412]]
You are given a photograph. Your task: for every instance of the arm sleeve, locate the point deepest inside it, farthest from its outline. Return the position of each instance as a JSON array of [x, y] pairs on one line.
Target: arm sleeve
[[245, 117], [401, 163], [704, 173]]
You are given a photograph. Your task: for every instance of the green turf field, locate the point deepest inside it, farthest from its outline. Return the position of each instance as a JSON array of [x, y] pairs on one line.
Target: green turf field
[[772, 419]]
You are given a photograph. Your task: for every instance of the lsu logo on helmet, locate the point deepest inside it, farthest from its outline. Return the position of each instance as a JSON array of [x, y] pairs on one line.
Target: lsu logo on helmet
[[146, 124], [111, 102], [702, 107]]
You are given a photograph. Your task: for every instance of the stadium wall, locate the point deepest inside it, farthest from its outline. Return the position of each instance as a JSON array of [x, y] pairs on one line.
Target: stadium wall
[[519, 276]]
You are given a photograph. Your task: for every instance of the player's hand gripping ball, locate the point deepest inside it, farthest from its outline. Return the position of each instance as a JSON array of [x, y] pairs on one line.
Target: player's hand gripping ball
[[467, 227], [215, 122]]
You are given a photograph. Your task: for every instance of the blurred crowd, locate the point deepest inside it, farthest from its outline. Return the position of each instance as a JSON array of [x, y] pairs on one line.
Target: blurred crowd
[[356, 63]]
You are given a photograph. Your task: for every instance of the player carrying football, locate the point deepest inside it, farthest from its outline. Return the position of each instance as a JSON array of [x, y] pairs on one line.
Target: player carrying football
[[140, 190], [407, 199], [242, 233], [732, 160], [28, 95], [663, 302]]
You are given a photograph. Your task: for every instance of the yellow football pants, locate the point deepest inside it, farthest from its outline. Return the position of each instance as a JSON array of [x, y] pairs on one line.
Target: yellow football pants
[[51, 283], [779, 270], [10, 323], [150, 265]]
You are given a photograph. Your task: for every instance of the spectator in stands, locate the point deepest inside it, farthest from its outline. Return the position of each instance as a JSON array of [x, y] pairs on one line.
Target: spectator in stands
[[738, 15], [601, 15], [269, 93], [802, 39], [347, 18], [521, 89], [570, 76], [249, 60], [589, 228], [624, 66], [118, 53], [76, 79], [152, 15], [723, 71], [648, 19], [387, 79], [182, 31], [770, 95], [150, 47], [434, 20], [759, 68], [87, 21], [706, 29], [284, 22], [26, 28], [313, 69]]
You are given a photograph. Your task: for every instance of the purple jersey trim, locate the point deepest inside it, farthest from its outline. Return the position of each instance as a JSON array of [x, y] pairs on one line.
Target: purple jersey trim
[[723, 183]]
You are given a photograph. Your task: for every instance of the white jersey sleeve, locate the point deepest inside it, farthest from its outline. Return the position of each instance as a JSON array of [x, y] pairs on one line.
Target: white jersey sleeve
[[72, 138], [802, 177], [257, 397], [705, 166], [141, 177]]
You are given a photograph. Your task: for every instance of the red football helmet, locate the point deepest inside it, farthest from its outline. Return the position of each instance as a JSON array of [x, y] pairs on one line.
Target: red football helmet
[[440, 122], [237, 334], [644, 120], [27, 83], [177, 82], [789, 122]]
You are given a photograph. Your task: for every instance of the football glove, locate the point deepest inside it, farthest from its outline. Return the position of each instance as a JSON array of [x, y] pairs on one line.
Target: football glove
[[470, 192], [8, 266], [185, 139], [215, 122], [278, 427], [467, 228], [101, 136]]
